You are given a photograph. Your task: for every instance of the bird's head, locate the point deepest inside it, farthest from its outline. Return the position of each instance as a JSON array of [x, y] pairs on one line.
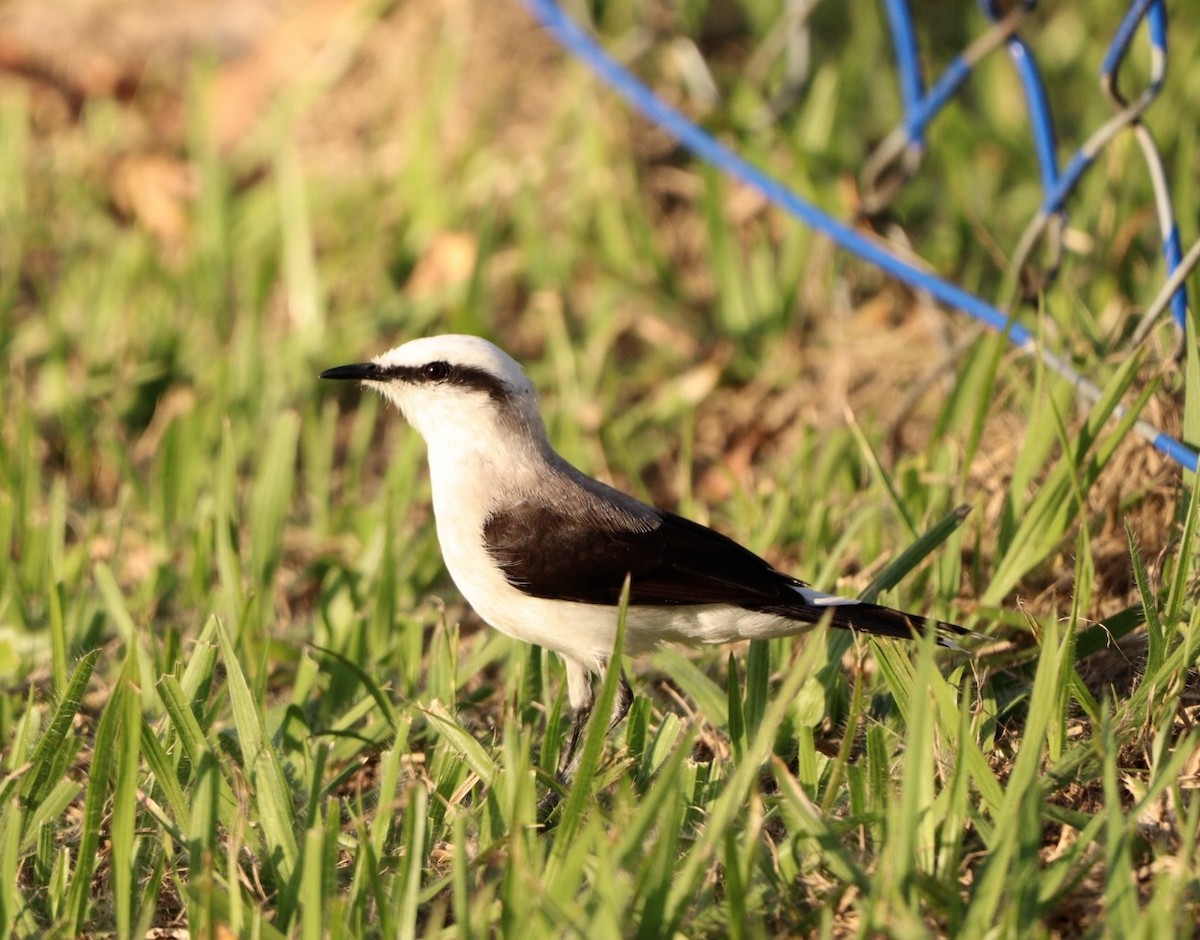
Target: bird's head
[[453, 389]]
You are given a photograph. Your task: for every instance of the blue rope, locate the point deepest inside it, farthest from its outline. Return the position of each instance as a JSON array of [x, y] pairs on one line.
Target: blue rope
[[712, 151]]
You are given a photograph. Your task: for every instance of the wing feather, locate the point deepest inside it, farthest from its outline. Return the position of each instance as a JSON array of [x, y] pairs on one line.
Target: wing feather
[[547, 552]]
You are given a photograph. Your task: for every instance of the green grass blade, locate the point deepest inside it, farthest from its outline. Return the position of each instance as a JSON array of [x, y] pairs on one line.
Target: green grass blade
[[1055, 508], [312, 885], [1120, 889], [1023, 786], [183, 722], [737, 721], [409, 880], [729, 803], [1191, 405], [650, 808], [1156, 638], [470, 750], [52, 807], [272, 495], [1182, 575], [225, 535], [165, 778], [58, 638], [386, 708], [10, 842], [48, 756], [925, 545], [462, 890], [272, 796], [758, 684], [123, 824], [104, 757], [202, 827], [711, 700]]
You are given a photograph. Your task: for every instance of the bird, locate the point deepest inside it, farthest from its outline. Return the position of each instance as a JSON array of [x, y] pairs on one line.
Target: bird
[[542, 551]]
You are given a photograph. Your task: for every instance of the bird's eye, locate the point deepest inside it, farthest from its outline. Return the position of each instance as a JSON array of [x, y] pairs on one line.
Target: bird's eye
[[436, 371]]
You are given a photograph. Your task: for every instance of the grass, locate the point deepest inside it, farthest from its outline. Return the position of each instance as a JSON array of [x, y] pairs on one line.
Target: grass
[[239, 693]]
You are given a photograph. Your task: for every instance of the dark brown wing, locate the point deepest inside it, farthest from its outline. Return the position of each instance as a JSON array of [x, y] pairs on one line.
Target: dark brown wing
[[572, 555]]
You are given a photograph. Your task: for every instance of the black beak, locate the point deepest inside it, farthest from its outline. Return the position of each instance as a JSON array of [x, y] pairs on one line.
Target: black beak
[[361, 371]]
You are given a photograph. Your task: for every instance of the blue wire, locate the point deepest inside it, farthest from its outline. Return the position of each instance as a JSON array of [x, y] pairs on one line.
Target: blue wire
[[1154, 12], [957, 72], [1044, 139], [709, 149], [921, 108], [1124, 36], [908, 62]]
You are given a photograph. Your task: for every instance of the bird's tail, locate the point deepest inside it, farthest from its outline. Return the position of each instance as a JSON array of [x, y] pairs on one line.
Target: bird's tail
[[886, 621], [862, 617]]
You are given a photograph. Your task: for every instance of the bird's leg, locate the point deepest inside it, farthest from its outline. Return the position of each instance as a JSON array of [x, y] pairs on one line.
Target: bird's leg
[[583, 711], [582, 697], [567, 763], [622, 702]]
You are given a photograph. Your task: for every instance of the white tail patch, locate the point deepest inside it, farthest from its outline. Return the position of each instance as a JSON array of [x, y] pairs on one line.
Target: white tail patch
[[818, 599]]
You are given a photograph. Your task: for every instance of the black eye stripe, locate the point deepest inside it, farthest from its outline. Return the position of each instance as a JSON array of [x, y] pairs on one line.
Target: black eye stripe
[[472, 378]]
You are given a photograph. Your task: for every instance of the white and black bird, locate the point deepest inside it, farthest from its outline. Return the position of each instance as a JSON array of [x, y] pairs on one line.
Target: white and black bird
[[541, 551]]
